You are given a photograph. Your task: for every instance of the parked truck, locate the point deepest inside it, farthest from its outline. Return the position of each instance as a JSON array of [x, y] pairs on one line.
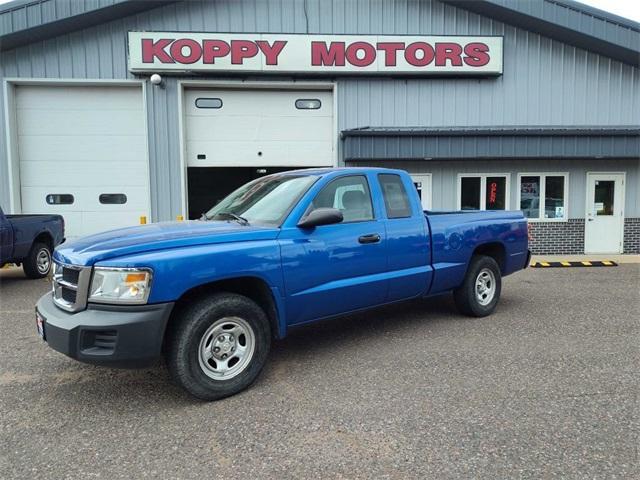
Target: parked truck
[[281, 251], [29, 240]]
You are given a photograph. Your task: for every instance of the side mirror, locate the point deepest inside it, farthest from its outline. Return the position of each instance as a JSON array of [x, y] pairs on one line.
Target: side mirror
[[321, 216]]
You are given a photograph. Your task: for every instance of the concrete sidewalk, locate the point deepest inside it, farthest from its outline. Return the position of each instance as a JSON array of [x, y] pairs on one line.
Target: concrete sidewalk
[[582, 258]]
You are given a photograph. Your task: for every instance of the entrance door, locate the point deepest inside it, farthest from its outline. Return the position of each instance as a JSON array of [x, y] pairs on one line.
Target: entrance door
[[604, 213], [422, 182]]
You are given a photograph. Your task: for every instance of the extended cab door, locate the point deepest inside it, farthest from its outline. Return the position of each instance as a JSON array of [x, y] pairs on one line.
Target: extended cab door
[[408, 238], [334, 269]]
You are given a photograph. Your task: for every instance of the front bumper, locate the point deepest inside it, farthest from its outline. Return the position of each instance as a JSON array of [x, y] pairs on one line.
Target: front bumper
[[118, 336]]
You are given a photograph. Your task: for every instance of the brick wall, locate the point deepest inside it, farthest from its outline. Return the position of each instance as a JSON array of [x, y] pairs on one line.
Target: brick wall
[[632, 235], [555, 238], [566, 238]]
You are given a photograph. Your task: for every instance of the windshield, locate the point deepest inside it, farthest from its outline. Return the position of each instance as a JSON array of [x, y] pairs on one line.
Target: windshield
[[265, 200]]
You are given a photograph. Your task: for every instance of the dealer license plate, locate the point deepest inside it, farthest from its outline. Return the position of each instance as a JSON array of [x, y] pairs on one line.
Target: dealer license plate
[[40, 321]]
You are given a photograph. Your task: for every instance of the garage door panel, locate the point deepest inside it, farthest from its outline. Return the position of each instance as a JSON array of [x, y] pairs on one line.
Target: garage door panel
[[94, 222], [292, 129], [82, 174], [252, 121], [95, 149], [78, 123], [241, 154], [257, 102], [84, 198], [83, 141], [224, 128], [78, 98]]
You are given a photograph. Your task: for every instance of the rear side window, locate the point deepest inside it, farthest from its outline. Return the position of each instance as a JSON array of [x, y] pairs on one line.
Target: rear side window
[[396, 200]]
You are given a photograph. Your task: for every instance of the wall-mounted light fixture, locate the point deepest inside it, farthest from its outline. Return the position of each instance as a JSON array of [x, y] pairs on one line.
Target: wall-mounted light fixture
[[157, 80]]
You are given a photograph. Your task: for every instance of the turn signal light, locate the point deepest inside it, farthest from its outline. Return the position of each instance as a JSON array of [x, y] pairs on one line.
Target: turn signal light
[[135, 277]]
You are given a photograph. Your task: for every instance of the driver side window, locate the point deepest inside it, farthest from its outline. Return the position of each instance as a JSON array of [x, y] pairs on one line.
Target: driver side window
[[350, 195]]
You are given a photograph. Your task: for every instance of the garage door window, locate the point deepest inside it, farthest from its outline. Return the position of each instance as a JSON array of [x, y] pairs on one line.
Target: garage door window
[[483, 191], [541, 196], [113, 198], [308, 104], [208, 102], [60, 199]]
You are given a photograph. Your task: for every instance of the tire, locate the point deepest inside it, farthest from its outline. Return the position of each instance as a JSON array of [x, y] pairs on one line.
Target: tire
[[479, 293], [38, 262], [197, 332]]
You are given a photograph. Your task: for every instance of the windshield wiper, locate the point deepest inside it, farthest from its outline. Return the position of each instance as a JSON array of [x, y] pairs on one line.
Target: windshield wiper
[[237, 218]]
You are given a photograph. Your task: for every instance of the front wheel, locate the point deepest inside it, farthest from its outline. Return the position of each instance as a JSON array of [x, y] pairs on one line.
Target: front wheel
[[38, 262], [479, 293], [218, 346]]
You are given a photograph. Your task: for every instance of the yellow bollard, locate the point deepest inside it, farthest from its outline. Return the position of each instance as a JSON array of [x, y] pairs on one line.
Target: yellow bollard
[[179, 218], [143, 220]]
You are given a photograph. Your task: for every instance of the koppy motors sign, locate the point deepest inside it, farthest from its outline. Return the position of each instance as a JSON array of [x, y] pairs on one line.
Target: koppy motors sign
[[314, 54]]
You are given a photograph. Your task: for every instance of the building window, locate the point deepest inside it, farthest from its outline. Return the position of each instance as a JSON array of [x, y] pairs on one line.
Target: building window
[[542, 196], [59, 199], [396, 200], [112, 198], [208, 102], [483, 191], [308, 104]]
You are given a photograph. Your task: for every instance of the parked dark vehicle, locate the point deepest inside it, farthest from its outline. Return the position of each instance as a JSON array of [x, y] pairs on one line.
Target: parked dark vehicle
[[29, 240]]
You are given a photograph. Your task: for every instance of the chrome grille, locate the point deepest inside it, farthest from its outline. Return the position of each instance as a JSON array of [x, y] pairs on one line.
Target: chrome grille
[[70, 286]]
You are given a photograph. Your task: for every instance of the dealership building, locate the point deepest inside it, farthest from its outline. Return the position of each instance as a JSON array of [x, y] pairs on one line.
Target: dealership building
[[113, 110]]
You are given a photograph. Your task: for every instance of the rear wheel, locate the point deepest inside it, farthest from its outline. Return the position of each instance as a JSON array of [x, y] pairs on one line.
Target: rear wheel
[[38, 262], [479, 293], [219, 345]]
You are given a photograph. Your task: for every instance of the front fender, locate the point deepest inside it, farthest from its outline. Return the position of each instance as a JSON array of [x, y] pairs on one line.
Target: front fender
[[175, 271]]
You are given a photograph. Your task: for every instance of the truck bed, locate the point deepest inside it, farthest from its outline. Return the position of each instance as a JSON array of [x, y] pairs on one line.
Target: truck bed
[[456, 233]]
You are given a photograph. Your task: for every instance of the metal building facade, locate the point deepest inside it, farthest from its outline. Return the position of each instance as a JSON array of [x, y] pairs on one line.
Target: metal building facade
[[545, 83]]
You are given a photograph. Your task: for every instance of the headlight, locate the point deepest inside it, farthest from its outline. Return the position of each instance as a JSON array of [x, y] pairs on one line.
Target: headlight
[[120, 285]]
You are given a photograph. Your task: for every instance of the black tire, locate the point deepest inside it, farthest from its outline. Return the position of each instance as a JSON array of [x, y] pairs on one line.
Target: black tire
[[32, 268], [465, 296], [191, 325]]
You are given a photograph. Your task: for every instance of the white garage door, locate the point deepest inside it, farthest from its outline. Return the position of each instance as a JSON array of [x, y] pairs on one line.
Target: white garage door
[[83, 155], [246, 128]]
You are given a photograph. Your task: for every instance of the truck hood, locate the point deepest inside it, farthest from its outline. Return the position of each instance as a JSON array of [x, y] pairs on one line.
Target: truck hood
[[157, 236]]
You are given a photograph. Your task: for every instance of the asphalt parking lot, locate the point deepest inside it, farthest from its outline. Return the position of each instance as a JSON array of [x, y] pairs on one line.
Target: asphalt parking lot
[[547, 387]]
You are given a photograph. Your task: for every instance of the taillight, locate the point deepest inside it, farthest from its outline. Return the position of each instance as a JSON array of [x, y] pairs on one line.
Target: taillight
[[529, 234]]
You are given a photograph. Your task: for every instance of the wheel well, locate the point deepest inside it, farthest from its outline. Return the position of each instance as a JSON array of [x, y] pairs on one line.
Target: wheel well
[[45, 238], [494, 250], [252, 287]]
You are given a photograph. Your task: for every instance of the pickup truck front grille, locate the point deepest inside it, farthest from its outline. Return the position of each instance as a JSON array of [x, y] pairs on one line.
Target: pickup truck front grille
[[70, 286]]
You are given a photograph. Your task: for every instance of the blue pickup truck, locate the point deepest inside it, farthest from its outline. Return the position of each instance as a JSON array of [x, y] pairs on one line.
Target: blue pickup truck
[[29, 240], [281, 251]]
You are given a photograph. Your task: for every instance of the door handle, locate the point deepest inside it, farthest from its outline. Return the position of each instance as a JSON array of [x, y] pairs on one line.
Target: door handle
[[371, 238]]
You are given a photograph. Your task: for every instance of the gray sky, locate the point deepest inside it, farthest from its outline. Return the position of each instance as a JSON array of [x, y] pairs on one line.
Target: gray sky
[[624, 8]]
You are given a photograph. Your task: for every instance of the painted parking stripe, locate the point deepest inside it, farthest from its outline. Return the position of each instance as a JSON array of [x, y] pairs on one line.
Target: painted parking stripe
[[584, 263]]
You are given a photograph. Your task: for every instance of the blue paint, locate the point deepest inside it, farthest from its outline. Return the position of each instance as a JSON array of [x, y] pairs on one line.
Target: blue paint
[[314, 273]]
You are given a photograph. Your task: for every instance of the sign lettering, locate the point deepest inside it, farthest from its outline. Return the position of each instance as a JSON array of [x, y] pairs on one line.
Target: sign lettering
[[314, 54]]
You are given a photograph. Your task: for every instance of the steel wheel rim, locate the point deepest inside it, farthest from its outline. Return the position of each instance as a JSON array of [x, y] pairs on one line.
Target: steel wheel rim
[[485, 286], [43, 261], [226, 348]]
